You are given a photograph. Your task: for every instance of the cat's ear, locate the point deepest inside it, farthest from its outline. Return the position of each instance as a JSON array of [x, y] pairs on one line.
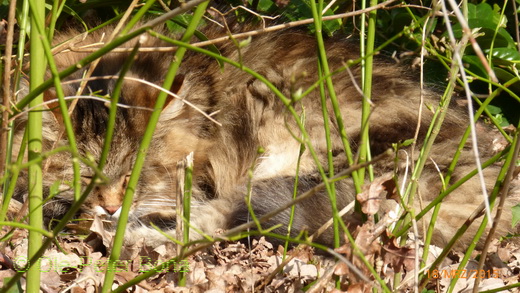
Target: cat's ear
[[142, 96], [52, 105], [145, 95], [173, 106]]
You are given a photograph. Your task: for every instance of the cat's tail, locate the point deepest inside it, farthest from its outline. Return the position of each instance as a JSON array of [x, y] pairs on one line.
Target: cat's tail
[[274, 197]]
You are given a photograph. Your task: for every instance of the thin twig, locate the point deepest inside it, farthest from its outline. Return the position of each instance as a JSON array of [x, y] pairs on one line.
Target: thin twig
[[467, 31], [295, 24], [458, 59], [7, 86], [94, 64], [517, 28], [166, 16], [264, 218], [320, 284]]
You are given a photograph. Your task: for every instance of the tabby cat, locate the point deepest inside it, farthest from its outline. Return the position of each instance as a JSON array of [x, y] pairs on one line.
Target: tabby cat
[[251, 117]]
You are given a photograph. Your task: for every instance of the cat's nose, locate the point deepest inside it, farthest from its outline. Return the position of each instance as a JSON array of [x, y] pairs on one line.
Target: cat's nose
[[111, 210]]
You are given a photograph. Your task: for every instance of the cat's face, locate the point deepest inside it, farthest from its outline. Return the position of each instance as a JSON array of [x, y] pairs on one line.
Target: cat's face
[[89, 122], [156, 186]]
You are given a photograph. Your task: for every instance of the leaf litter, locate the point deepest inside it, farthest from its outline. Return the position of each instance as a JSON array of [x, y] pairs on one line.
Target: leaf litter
[[77, 264]]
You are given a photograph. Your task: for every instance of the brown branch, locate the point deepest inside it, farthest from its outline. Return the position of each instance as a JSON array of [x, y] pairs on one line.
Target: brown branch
[[7, 86]]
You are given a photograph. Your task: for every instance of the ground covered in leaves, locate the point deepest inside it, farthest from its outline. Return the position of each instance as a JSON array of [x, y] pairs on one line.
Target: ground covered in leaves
[[78, 266], [77, 263]]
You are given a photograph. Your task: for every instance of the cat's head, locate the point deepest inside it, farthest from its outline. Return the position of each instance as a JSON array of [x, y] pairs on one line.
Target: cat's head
[[89, 114]]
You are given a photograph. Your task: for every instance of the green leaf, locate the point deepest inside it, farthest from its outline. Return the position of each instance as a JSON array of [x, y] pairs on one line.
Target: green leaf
[[506, 54], [516, 215], [400, 19], [473, 64], [481, 10], [494, 110], [504, 76], [503, 38], [245, 42], [301, 9], [498, 115], [407, 142], [14, 289], [484, 11], [54, 189], [266, 5], [178, 23]]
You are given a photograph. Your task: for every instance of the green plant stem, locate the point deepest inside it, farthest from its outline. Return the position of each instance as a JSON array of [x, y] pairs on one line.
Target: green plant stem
[[368, 55], [114, 99], [295, 190], [188, 177], [8, 194], [323, 64], [431, 135], [45, 155], [76, 182], [56, 9], [145, 142], [348, 64], [482, 228], [330, 157], [138, 16], [203, 244], [186, 208], [466, 134], [59, 226], [501, 188], [25, 101], [35, 229], [34, 125]]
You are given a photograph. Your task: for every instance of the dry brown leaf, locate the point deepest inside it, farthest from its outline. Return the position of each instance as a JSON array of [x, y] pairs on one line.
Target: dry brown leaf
[[77, 289], [359, 288], [341, 269], [372, 194], [197, 275], [303, 252], [51, 280], [98, 228], [400, 259]]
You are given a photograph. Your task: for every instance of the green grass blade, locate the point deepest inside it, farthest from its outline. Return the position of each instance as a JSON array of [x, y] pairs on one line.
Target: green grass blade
[[37, 72]]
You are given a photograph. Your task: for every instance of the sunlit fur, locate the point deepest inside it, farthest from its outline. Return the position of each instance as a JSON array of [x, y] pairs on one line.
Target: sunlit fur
[[251, 117]]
